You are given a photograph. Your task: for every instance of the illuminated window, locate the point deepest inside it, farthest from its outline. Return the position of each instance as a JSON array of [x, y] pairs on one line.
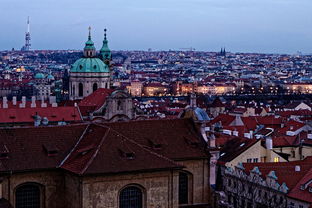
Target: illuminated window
[[276, 159]]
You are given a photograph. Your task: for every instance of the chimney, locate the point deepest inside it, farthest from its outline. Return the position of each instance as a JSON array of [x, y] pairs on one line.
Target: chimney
[[24, 100], [193, 100], [297, 168], [33, 102], [43, 104], [5, 102], [23, 103], [269, 143], [14, 100]]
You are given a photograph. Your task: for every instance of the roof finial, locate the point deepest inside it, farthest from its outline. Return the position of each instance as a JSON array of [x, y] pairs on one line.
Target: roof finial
[[89, 32], [105, 33]]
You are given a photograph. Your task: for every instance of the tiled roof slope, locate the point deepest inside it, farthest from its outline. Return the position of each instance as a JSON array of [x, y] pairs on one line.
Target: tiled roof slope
[[301, 190], [285, 171], [94, 101], [26, 148], [26, 115], [98, 148], [173, 138]]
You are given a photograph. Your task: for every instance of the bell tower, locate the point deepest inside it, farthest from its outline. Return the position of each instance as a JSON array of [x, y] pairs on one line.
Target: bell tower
[[105, 52]]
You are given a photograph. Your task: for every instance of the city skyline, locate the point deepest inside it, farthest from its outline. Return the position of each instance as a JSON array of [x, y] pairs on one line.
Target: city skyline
[[244, 26]]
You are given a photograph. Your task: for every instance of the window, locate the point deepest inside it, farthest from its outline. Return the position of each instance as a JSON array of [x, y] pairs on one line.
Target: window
[[249, 160], [183, 188], [131, 197], [276, 159], [95, 87], [255, 160], [27, 196], [119, 105], [263, 159], [80, 90]]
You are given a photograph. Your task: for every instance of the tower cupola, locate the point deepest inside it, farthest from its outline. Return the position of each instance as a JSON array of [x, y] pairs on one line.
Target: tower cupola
[[89, 50]]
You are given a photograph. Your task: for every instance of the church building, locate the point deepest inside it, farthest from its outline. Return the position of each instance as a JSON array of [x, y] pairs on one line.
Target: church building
[[90, 72]]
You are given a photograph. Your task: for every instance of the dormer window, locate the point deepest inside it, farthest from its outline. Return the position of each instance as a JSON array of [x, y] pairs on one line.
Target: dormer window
[[126, 154], [50, 149], [80, 66], [4, 155], [130, 155], [4, 152], [154, 145]]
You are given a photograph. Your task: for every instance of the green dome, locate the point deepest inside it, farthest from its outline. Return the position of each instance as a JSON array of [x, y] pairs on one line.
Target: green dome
[[86, 65], [39, 76]]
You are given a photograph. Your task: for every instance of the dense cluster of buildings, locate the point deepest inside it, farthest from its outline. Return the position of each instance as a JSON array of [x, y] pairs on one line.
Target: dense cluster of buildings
[[79, 130]]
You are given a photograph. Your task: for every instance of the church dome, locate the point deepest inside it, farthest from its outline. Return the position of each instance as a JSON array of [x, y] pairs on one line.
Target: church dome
[[89, 65], [39, 76]]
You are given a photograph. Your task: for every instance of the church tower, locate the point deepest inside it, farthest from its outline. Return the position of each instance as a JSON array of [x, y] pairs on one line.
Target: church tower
[[88, 73], [105, 52]]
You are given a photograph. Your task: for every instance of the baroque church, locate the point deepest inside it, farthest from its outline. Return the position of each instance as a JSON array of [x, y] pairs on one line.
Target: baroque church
[[91, 71]]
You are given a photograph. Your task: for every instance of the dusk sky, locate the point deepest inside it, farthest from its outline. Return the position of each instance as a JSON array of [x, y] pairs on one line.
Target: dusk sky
[[277, 26]]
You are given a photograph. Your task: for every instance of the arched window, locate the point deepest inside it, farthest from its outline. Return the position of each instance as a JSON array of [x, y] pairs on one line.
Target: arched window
[[183, 188], [73, 93], [80, 90], [131, 197], [28, 196], [95, 87]]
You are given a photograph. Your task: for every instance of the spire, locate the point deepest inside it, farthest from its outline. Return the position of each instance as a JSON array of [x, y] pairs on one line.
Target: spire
[[89, 49], [89, 37], [105, 51]]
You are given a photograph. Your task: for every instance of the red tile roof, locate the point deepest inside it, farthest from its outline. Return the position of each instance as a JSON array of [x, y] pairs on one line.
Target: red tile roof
[[94, 101], [285, 171], [99, 148], [26, 115], [298, 193]]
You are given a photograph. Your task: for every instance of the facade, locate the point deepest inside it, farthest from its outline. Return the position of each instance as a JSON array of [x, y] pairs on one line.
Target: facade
[[124, 164], [109, 105], [265, 185], [90, 72], [43, 86]]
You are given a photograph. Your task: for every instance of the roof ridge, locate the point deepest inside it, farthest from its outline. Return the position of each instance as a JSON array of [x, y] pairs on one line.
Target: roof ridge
[[96, 152], [72, 150]]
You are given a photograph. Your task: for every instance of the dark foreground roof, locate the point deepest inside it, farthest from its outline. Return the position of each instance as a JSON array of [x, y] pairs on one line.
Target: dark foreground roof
[[101, 148]]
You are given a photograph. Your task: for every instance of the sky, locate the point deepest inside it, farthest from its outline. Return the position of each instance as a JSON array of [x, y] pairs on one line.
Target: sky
[[265, 26]]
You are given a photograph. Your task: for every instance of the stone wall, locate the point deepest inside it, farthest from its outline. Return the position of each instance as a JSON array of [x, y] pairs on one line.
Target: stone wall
[[159, 189], [51, 182], [200, 183]]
